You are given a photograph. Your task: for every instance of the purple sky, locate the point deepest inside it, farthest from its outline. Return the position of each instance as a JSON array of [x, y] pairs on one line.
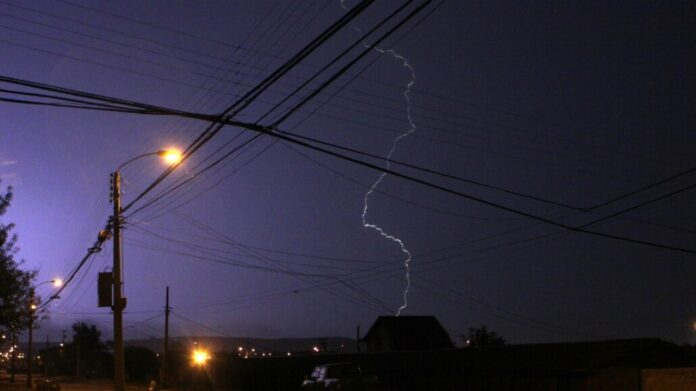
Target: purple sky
[[572, 102]]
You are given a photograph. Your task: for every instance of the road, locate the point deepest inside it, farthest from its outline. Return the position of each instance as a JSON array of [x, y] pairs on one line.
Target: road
[[67, 384]]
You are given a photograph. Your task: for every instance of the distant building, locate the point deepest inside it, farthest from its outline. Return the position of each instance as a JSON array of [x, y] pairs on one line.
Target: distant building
[[402, 333]]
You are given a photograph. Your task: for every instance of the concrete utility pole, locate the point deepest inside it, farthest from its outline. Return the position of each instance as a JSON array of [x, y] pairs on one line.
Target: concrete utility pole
[[119, 301], [165, 356]]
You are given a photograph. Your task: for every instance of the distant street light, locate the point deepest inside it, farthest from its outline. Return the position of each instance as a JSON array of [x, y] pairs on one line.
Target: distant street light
[[119, 302], [57, 282], [200, 357]]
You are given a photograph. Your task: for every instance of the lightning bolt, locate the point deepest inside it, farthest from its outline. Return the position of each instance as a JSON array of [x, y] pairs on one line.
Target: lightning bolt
[[395, 141]]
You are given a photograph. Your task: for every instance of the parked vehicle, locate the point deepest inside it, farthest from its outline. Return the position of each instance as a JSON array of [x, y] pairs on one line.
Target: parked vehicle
[[338, 376], [45, 384]]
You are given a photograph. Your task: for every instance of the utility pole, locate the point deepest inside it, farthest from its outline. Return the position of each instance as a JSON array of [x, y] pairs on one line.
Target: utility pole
[[119, 301], [165, 356], [76, 344], [13, 357], [357, 338], [32, 310]]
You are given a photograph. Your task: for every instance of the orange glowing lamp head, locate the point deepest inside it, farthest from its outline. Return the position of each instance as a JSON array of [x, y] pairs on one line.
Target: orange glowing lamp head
[[171, 156]]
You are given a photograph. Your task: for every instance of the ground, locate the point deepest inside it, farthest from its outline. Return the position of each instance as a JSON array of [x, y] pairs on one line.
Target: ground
[[66, 384]]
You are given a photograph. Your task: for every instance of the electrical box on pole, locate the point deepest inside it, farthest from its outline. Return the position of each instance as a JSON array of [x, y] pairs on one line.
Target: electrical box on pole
[[105, 285]]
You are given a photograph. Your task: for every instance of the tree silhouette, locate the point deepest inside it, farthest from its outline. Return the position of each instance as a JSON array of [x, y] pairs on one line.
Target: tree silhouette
[[482, 337], [88, 346], [141, 363], [15, 283]]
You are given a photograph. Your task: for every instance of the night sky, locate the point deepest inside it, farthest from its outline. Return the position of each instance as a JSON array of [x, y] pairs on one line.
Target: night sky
[[577, 103]]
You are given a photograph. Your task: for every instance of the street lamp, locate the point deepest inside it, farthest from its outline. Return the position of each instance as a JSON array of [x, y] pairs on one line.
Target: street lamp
[[57, 282], [119, 302], [200, 357]]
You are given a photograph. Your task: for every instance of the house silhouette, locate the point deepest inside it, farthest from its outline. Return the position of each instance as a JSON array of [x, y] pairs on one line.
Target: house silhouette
[[402, 333]]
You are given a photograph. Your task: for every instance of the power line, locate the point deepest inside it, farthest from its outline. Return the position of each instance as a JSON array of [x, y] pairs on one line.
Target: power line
[[110, 41], [434, 172], [123, 33], [244, 101], [64, 105], [302, 54], [168, 65], [392, 196], [96, 247], [221, 252], [218, 124], [345, 68], [255, 92], [227, 261], [251, 95], [164, 28], [639, 190], [372, 275], [460, 194], [101, 239], [513, 314], [449, 143], [417, 91], [334, 61], [101, 98], [193, 177], [591, 209], [60, 98], [133, 111], [202, 191], [198, 238], [292, 139], [319, 285]]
